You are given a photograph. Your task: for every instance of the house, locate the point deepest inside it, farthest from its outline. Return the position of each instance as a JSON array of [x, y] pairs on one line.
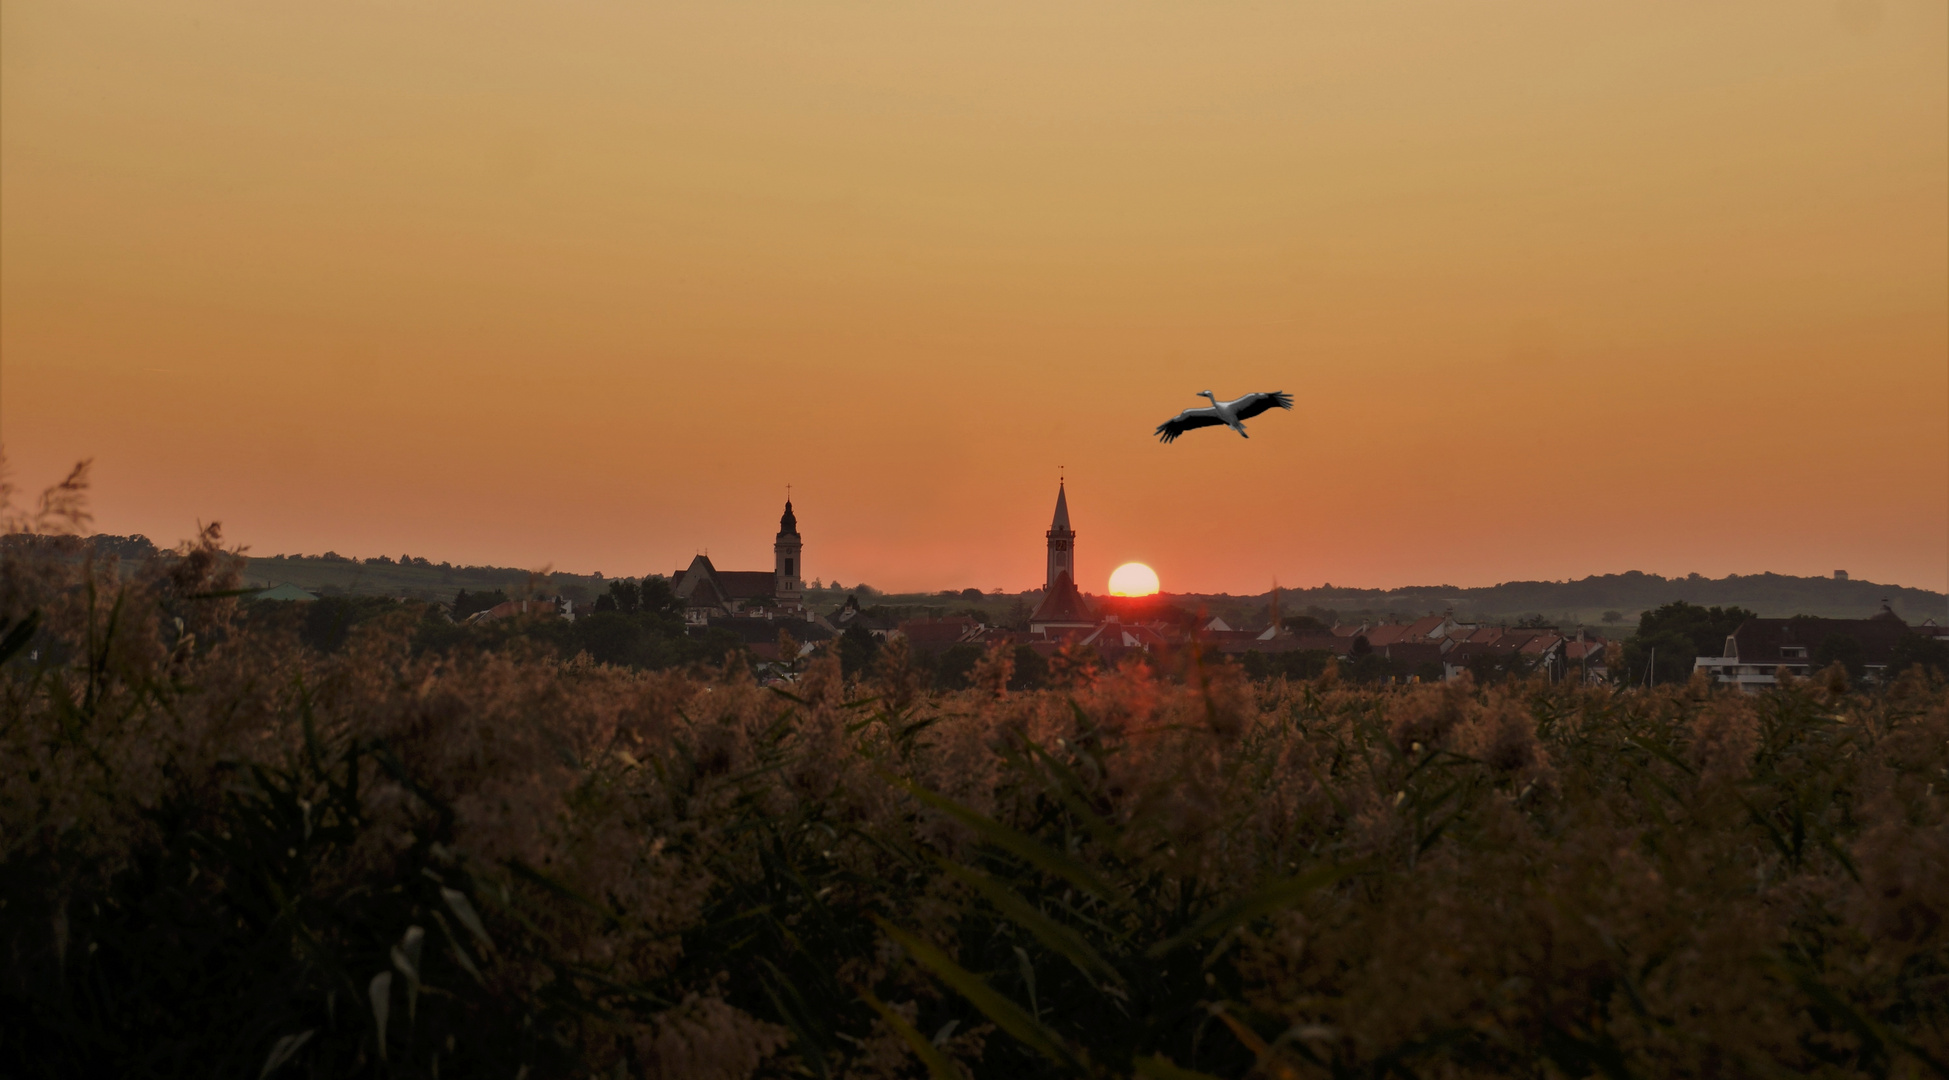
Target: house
[[1588, 651], [705, 599], [1541, 650], [848, 615], [1113, 638], [1761, 648], [1411, 657], [938, 635], [508, 609], [1430, 628]]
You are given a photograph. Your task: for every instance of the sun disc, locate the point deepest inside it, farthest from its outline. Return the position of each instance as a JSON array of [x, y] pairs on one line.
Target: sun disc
[[1133, 579]]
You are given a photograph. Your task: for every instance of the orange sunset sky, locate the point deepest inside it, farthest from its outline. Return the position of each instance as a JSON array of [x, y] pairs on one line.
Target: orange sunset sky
[[1559, 288]]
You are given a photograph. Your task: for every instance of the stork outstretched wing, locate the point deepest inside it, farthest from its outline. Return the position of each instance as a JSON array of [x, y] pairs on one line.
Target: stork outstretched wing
[[1252, 405], [1185, 421]]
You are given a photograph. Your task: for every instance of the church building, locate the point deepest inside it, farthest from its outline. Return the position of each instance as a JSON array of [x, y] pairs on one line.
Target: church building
[[1062, 606], [709, 593]]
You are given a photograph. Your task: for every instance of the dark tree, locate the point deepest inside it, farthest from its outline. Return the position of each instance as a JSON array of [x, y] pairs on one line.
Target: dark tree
[[626, 595], [657, 599], [1839, 649], [1705, 628], [1309, 664], [465, 604], [329, 620], [1673, 636], [1915, 650], [857, 649], [610, 637], [1493, 667], [1368, 666], [953, 666], [1031, 670]]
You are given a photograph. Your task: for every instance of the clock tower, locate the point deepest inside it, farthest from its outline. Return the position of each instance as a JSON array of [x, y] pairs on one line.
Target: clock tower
[[788, 584]]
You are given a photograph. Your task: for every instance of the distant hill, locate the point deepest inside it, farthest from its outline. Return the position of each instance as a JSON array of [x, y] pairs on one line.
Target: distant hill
[[419, 579], [1583, 602], [1567, 604], [332, 574]]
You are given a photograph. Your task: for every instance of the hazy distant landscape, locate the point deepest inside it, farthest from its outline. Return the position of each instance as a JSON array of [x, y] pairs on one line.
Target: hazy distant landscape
[[1568, 604]]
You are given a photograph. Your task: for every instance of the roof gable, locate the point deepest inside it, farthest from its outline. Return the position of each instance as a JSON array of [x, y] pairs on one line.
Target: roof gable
[[1765, 641], [1063, 604]]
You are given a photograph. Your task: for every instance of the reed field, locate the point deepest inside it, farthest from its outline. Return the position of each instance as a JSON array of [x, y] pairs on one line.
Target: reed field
[[224, 852]]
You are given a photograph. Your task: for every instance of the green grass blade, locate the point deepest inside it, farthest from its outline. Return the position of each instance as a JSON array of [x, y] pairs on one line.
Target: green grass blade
[[18, 637], [1005, 1013], [938, 1065], [1159, 1067], [1036, 854], [1273, 897], [1058, 938]]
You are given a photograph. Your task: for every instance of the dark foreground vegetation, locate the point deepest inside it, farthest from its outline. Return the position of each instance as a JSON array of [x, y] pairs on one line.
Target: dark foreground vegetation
[[228, 852]]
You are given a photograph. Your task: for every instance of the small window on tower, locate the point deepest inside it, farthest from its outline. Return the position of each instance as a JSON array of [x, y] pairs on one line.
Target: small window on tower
[[788, 568]]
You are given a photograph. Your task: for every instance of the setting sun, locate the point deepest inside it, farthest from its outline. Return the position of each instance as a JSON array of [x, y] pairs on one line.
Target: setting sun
[[1133, 579]]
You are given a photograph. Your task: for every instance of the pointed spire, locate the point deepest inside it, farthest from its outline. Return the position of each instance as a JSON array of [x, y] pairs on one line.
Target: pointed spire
[[1061, 524], [789, 523]]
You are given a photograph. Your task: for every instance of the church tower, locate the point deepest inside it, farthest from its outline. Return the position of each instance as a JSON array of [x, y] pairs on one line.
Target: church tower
[[788, 585], [1062, 607], [1062, 543]]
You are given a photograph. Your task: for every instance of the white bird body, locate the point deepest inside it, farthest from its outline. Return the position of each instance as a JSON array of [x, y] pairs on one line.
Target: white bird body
[[1231, 414]]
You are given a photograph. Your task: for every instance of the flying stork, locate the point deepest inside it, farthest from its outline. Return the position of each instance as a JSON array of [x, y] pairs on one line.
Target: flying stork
[[1229, 413]]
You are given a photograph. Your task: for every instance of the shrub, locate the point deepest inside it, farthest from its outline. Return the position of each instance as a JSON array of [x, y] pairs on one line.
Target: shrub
[[228, 851]]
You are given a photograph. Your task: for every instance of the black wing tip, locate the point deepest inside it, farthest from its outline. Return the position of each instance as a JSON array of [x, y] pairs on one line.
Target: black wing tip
[[1281, 399]]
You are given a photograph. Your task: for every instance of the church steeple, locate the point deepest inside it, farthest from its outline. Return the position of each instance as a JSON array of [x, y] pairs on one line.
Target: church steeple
[[1062, 606], [1062, 542], [788, 583]]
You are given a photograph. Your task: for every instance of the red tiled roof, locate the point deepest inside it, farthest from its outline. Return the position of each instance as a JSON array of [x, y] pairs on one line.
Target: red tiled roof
[[1386, 634], [1460, 655], [1419, 629], [930, 635], [747, 584], [1289, 643], [1063, 604], [509, 608], [1540, 644], [1760, 641], [1413, 652], [1122, 635], [1578, 650], [1514, 640]]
